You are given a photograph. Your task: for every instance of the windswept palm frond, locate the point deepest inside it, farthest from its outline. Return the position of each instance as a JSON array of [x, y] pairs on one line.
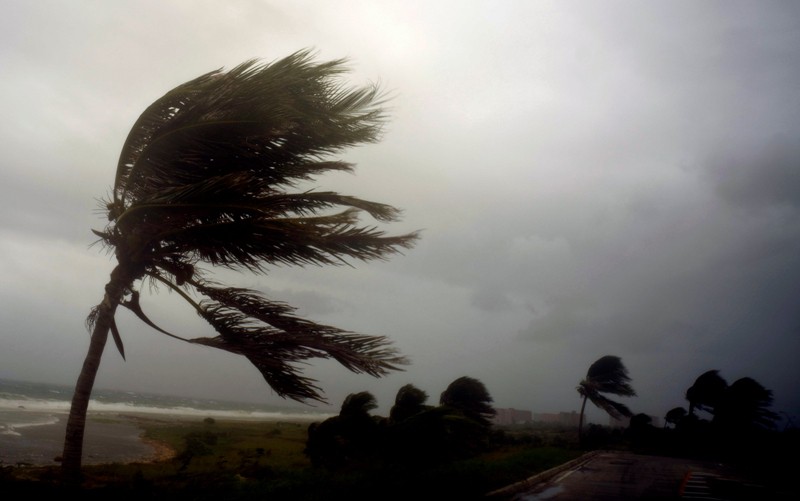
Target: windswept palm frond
[[608, 375], [276, 120], [204, 173], [614, 409], [274, 340], [408, 402], [470, 396], [358, 404]]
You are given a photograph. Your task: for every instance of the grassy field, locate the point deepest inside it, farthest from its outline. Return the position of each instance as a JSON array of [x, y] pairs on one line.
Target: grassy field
[[264, 460]]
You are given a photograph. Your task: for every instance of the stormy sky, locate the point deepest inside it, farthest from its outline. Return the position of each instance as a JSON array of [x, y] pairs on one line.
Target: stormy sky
[[590, 178]]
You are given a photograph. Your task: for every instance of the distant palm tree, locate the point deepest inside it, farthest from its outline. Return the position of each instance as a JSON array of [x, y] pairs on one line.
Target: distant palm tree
[[674, 416], [358, 404], [210, 174], [469, 396], [351, 434], [606, 375], [409, 401], [707, 392], [745, 406]]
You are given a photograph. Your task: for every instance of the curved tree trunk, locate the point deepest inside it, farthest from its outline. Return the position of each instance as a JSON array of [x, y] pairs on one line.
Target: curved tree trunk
[[73, 440], [580, 422]]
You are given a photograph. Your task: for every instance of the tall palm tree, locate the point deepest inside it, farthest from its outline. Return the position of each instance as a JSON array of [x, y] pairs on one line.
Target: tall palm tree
[[209, 175], [606, 375]]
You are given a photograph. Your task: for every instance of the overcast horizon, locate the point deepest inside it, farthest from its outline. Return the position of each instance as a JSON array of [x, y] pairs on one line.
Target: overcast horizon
[[590, 179]]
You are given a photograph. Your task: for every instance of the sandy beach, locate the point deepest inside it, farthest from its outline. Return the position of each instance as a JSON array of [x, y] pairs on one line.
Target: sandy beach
[[108, 439]]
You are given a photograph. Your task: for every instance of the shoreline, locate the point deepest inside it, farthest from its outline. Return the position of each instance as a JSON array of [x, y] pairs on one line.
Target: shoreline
[[161, 451], [108, 439], [111, 437]]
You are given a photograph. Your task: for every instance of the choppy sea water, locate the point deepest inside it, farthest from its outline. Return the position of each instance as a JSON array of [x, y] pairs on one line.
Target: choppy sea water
[[32, 416]]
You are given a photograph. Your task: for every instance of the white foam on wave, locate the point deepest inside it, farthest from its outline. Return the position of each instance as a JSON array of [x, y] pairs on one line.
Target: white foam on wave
[[43, 422], [62, 407], [9, 430], [32, 404], [126, 407]]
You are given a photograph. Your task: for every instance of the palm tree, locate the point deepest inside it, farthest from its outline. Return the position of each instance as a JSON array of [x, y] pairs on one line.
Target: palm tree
[[209, 175], [469, 396], [358, 404], [606, 375], [408, 402], [745, 407], [706, 393]]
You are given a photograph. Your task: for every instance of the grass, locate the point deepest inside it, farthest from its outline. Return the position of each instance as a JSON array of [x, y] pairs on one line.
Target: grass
[[253, 460]]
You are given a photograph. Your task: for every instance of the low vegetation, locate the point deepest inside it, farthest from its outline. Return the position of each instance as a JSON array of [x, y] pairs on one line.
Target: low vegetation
[[257, 460]]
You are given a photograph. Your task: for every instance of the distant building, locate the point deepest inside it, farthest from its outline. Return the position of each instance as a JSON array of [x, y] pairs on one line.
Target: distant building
[[512, 416], [563, 418]]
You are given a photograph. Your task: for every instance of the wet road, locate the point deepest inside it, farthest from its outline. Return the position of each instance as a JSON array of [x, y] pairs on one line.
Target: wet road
[[609, 476]]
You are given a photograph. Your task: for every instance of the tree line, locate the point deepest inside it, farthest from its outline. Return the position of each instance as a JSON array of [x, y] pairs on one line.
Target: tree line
[[414, 432], [739, 412], [731, 419]]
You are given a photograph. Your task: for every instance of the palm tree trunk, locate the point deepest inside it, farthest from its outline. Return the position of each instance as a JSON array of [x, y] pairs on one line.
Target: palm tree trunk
[[73, 440], [580, 421]]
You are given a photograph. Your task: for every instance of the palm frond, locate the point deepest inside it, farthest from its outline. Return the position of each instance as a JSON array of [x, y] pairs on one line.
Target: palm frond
[[614, 409], [275, 341], [358, 404], [136, 308], [204, 171], [262, 118], [609, 375], [251, 243], [154, 119], [117, 338]]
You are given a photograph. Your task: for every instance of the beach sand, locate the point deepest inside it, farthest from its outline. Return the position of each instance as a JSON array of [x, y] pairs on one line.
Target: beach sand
[[108, 439]]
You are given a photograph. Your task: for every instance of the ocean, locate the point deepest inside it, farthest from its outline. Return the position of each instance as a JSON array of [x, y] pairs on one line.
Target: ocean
[[33, 416]]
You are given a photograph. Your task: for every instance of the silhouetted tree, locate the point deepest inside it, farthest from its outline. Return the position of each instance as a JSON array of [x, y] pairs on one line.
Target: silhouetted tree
[[606, 375], [409, 401], [641, 433], [416, 433], [358, 404], [744, 406], [469, 396], [352, 435], [674, 416], [464, 417], [706, 392], [208, 175]]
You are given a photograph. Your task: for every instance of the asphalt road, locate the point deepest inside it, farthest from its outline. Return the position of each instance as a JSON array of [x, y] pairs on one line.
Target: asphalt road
[[606, 476]]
